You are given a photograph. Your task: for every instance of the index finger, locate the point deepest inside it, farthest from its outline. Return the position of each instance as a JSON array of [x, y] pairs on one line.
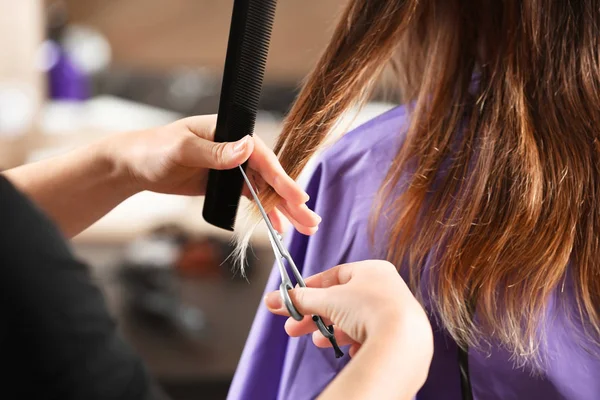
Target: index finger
[[202, 126], [265, 162]]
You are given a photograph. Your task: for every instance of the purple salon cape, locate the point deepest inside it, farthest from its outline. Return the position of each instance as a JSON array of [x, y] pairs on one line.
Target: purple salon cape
[[342, 190]]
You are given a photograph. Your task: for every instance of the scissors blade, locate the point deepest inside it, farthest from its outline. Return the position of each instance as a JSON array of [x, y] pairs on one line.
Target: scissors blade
[[253, 193], [274, 234], [272, 230]]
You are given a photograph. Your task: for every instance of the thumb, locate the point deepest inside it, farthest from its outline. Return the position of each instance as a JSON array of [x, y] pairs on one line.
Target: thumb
[[229, 155], [226, 155]]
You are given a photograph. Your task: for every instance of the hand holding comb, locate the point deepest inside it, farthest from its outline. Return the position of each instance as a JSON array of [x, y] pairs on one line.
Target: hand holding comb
[[247, 50]]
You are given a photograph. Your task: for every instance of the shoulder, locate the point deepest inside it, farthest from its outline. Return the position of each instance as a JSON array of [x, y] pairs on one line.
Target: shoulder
[[25, 230], [54, 303], [13, 203], [379, 137], [354, 167], [364, 154], [8, 193]]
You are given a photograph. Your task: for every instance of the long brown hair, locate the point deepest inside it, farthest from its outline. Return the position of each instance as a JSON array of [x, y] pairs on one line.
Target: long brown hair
[[508, 94]]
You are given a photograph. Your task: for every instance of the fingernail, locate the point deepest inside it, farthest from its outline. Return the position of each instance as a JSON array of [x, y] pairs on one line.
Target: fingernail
[[318, 217], [273, 301], [240, 146]]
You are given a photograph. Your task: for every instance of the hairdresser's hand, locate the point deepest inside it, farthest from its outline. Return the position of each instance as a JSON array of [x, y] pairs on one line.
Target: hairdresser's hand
[[373, 311], [175, 159]]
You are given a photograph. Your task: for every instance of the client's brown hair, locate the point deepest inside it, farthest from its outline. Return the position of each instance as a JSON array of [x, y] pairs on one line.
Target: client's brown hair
[[508, 94]]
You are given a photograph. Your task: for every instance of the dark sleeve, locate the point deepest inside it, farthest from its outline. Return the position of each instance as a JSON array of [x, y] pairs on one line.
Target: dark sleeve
[[57, 338]]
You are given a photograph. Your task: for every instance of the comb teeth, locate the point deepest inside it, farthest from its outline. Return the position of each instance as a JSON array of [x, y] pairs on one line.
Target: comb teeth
[[254, 52], [247, 86], [247, 51]]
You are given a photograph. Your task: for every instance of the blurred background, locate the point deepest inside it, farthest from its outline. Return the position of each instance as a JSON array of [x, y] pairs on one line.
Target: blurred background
[[73, 71]]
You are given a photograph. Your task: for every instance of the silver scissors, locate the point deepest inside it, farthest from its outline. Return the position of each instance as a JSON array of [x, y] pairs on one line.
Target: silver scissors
[[282, 254]]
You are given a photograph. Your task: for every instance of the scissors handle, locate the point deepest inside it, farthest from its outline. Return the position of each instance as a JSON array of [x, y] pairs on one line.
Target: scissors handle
[[284, 289], [327, 331]]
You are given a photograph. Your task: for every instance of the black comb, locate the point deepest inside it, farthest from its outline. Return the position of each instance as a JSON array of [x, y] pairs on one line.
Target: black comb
[[247, 50]]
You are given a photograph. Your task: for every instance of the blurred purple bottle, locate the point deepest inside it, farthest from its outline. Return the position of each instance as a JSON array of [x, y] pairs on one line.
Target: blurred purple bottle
[[66, 81]]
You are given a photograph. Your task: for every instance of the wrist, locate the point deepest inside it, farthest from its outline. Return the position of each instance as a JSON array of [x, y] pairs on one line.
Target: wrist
[[407, 333], [113, 165]]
